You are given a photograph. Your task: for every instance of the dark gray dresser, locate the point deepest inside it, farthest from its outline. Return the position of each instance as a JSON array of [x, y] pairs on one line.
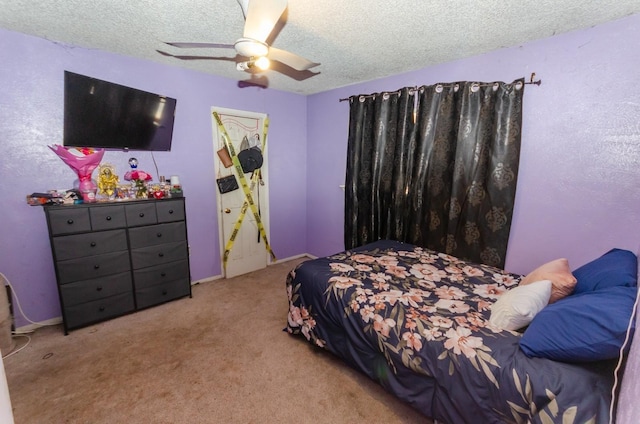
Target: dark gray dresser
[[115, 258]]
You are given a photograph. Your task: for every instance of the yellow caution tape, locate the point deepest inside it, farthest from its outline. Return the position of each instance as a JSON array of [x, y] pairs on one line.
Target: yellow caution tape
[[246, 189]]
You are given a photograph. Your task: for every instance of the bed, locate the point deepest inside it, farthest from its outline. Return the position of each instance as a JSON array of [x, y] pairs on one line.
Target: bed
[[419, 323]]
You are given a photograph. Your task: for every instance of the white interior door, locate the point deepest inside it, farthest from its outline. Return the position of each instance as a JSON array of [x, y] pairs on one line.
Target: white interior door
[[248, 252]]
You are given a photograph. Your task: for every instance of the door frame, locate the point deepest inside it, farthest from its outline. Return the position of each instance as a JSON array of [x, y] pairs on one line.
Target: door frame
[[263, 192]]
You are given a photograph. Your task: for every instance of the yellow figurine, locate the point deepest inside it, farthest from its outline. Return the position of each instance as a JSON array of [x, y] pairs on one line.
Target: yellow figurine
[[107, 180]]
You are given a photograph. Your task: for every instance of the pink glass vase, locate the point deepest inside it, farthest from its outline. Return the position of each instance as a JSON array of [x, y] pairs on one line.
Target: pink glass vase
[[87, 188]]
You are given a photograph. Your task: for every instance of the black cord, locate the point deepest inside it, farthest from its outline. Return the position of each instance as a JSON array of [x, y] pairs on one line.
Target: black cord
[[156, 166]]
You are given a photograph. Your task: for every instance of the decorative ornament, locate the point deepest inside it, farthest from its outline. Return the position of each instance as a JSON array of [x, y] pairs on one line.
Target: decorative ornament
[[139, 179], [107, 180]]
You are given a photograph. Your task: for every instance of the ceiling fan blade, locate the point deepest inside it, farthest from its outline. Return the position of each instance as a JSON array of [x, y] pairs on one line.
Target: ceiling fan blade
[[291, 59], [200, 45], [191, 57], [262, 17]]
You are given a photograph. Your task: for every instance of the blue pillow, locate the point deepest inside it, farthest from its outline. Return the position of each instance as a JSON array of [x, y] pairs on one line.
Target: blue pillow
[[615, 268], [581, 328]]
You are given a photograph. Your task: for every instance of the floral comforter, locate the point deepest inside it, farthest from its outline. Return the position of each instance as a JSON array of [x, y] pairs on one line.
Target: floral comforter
[[417, 321]]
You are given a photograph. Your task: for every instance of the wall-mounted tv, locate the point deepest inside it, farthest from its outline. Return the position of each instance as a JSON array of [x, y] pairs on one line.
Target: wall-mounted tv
[[103, 114]]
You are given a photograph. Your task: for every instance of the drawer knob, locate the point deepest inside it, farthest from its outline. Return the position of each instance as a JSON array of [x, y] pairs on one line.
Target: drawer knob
[[108, 218], [164, 292], [163, 274], [93, 244], [69, 221], [96, 267], [159, 234], [141, 215], [101, 309], [170, 211], [161, 254], [99, 288]]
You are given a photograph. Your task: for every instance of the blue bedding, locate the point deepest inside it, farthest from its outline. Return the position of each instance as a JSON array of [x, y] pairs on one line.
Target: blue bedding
[[417, 322]]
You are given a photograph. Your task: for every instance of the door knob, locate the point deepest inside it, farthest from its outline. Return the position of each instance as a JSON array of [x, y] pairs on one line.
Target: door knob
[[227, 210]]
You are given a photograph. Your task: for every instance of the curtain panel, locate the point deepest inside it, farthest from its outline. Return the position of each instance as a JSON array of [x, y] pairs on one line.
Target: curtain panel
[[435, 166]]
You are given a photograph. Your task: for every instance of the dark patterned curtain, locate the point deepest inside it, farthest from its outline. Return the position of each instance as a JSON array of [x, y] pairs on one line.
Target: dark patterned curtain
[[435, 166]]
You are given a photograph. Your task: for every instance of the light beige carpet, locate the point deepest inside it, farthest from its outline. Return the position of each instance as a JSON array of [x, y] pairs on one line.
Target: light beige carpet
[[219, 357]]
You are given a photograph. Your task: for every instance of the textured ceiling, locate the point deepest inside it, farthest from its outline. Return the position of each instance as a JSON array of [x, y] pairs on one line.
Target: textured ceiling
[[354, 40]]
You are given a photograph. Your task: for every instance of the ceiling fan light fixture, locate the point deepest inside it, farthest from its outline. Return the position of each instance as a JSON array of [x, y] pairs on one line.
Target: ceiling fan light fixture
[[243, 66], [263, 63]]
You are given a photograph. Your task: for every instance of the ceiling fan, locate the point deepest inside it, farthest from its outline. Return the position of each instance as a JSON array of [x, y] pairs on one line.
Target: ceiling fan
[[261, 16]]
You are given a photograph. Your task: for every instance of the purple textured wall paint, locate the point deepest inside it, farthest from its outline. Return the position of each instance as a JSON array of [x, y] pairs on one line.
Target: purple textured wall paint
[[32, 112], [578, 187]]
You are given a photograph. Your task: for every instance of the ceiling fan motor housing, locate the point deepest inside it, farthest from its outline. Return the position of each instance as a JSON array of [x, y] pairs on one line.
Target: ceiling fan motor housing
[[251, 48]]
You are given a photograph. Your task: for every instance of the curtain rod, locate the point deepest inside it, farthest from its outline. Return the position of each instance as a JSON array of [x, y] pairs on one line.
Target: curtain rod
[[531, 81]]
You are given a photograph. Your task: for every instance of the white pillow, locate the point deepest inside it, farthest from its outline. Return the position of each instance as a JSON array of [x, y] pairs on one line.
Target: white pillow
[[517, 307]]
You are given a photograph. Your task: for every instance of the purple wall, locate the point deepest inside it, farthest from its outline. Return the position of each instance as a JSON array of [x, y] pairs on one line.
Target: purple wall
[[579, 181], [31, 113]]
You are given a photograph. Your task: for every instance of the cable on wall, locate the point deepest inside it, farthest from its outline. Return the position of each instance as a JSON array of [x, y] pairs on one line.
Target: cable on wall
[[15, 295]]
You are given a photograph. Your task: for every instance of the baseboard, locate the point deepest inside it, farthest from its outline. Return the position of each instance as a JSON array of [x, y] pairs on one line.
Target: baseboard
[[219, 277], [207, 279], [30, 328], [290, 258]]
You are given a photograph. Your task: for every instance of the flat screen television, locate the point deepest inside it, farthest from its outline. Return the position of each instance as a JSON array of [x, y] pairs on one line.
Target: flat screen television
[[103, 114]]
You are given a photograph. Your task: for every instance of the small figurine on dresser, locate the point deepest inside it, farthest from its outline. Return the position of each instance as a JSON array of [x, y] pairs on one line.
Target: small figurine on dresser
[[107, 180]]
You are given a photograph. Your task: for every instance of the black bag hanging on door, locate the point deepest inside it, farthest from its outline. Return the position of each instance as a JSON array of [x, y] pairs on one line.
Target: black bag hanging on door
[[250, 157], [227, 184]]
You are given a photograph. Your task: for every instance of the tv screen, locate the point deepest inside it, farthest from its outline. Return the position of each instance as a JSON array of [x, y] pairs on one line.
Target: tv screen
[[103, 114]]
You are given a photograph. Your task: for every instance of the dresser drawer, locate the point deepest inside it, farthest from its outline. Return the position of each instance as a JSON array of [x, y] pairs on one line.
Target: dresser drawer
[[98, 288], [69, 221], [107, 217], [159, 274], [92, 267], [156, 255], [157, 234], [140, 214], [170, 210], [89, 244], [161, 293], [99, 310]]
